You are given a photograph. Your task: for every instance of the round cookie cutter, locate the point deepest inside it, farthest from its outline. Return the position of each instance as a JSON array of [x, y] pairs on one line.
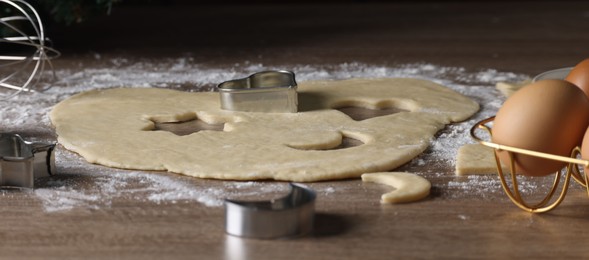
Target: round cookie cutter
[[289, 216]]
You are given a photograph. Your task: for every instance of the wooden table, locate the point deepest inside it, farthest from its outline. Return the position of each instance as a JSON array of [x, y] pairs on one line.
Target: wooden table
[[524, 37]]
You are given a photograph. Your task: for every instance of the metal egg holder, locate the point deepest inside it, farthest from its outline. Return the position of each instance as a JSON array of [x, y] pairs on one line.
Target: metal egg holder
[[571, 170], [547, 204]]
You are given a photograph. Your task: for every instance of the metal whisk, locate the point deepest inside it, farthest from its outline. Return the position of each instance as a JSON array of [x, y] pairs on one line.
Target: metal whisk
[[24, 30]]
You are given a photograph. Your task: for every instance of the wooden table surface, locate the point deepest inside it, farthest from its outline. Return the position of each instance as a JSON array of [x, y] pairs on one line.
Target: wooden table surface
[[521, 37]]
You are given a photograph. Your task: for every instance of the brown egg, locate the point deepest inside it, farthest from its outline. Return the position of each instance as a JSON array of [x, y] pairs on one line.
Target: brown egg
[[548, 116], [580, 76]]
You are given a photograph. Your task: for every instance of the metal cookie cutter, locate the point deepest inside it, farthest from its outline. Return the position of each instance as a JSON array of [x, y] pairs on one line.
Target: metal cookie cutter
[[267, 91], [289, 216], [21, 161]]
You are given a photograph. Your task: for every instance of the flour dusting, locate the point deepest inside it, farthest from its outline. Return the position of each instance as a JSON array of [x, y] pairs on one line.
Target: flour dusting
[[103, 187], [108, 187]]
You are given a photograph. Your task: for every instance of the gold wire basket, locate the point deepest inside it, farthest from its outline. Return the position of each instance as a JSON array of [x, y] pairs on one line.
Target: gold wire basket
[[548, 203]]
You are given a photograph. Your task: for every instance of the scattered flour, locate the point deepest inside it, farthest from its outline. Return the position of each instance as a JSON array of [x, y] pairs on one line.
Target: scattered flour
[[103, 189], [28, 114], [463, 217], [487, 185]]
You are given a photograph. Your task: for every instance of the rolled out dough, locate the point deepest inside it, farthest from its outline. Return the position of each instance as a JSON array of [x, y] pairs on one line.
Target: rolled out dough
[[114, 127]]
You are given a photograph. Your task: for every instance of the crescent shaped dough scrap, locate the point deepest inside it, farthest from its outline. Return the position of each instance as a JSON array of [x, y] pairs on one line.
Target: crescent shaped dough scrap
[[408, 187], [115, 128]]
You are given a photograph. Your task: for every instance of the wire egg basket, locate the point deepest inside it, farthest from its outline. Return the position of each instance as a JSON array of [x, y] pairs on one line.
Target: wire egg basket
[[22, 34], [551, 200]]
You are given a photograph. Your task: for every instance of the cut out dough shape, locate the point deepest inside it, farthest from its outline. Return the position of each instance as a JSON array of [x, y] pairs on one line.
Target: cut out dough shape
[[408, 187], [113, 128], [475, 159]]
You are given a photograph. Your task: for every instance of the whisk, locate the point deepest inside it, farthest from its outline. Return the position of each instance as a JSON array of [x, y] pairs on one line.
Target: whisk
[[24, 30]]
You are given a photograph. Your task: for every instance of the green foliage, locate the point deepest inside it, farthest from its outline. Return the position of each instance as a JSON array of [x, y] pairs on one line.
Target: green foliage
[[4, 12], [74, 11], [56, 11]]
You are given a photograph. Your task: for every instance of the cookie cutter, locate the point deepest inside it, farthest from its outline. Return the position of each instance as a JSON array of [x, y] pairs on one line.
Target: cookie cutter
[[289, 216], [21, 161], [272, 91]]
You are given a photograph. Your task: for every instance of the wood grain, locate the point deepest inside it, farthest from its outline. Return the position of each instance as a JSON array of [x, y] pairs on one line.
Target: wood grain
[[453, 223]]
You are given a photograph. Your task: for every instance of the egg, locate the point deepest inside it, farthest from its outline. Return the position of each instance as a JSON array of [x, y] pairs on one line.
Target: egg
[[548, 116], [580, 76]]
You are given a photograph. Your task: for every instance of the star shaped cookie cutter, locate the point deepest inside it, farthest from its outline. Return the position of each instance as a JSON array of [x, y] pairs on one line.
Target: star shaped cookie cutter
[[289, 216], [272, 91], [21, 161]]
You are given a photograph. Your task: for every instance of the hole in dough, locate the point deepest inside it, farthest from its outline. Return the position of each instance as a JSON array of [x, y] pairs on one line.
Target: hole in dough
[[347, 142], [187, 127], [362, 113]]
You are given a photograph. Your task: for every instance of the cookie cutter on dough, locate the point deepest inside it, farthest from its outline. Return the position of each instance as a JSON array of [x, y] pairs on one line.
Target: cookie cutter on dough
[[272, 91], [21, 161], [289, 216], [548, 203]]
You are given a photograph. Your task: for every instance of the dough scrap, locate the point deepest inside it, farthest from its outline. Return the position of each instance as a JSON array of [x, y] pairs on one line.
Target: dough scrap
[[114, 127], [475, 159], [508, 88], [408, 187]]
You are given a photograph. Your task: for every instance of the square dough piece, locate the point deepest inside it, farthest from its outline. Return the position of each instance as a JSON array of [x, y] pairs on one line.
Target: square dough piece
[[476, 159]]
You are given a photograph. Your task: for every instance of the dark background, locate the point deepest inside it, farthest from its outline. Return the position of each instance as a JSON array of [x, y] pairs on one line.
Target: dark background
[[481, 34]]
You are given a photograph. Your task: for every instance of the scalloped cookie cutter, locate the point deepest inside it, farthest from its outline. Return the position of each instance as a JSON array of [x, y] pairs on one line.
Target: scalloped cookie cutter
[[21, 161], [272, 91], [289, 216]]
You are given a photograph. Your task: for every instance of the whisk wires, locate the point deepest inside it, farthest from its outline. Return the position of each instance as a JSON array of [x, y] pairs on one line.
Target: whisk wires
[[26, 71]]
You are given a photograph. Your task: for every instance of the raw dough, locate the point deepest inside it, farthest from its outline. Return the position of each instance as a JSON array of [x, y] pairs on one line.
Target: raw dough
[[476, 159], [508, 88], [408, 187], [114, 128]]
